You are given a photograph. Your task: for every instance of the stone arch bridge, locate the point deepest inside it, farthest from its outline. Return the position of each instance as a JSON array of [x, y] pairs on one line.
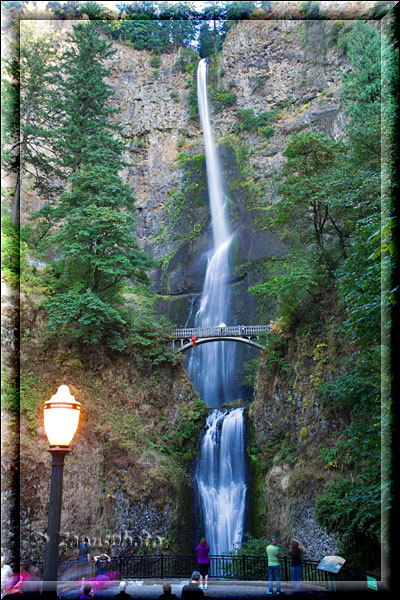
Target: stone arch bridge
[[183, 339]]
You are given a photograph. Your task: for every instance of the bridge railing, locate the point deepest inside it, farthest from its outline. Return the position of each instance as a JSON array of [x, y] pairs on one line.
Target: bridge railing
[[245, 568], [236, 330]]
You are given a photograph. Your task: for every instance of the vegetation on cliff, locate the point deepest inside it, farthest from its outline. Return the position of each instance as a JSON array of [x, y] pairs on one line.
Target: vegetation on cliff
[[330, 212]]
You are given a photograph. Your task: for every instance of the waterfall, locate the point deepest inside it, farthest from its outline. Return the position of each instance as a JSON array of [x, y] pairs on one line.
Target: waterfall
[[220, 473], [220, 477], [211, 368]]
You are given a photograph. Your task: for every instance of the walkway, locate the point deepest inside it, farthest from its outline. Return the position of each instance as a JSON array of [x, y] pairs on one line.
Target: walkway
[[151, 589]]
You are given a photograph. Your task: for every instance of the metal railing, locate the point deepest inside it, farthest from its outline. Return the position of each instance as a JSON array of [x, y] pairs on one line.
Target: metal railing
[[237, 331], [244, 568]]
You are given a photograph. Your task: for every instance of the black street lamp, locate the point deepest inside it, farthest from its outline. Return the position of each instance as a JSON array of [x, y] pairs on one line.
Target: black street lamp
[[61, 418]]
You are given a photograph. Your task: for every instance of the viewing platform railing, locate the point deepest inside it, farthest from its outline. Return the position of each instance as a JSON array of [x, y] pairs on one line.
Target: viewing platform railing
[[242, 568]]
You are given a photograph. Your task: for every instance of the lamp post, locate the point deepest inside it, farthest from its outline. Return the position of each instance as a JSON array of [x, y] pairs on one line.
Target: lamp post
[[61, 418]]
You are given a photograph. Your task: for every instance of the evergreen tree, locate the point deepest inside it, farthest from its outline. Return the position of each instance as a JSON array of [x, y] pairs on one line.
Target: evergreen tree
[[86, 135], [207, 43], [93, 222], [240, 9], [212, 11], [362, 86], [182, 27], [30, 116], [65, 10], [97, 252]]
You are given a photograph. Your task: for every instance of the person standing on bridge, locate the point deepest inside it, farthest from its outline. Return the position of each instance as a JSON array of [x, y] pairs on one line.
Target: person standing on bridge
[[273, 566], [203, 562], [222, 326]]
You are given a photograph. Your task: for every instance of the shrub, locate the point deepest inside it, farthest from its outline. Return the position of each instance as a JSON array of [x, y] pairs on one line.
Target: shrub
[[260, 123], [221, 98], [155, 62]]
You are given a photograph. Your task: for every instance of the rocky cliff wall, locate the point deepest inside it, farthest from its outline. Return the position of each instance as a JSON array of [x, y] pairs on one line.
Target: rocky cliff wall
[[282, 66]]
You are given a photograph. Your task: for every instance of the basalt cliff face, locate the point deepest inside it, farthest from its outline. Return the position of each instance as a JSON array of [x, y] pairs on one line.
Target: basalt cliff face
[[284, 66]]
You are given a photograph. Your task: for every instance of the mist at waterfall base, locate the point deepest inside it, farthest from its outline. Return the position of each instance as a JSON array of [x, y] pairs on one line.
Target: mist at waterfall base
[[220, 473]]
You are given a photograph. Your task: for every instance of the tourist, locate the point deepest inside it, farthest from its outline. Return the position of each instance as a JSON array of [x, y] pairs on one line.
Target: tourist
[[32, 586], [16, 582], [296, 552], [87, 593], [84, 558], [167, 593], [102, 563], [203, 562], [273, 566], [6, 572], [122, 595], [222, 326], [191, 591]]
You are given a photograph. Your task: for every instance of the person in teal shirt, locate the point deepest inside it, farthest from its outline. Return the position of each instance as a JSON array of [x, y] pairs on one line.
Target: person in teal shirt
[[273, 566]]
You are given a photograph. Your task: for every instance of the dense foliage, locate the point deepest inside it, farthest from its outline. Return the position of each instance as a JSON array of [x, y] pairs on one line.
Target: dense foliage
[[329, 210]]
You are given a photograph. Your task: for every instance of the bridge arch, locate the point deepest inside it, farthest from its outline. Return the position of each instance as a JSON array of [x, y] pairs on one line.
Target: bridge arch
[[189, 344]]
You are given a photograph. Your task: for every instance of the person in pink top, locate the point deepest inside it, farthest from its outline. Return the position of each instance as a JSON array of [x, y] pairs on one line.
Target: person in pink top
[[203, 562]]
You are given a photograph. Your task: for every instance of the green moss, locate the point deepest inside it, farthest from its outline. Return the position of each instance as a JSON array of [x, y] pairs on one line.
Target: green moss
[[256, 494], [187, 60], [182, 440], [304, 433], [183, 206], [9, 393]]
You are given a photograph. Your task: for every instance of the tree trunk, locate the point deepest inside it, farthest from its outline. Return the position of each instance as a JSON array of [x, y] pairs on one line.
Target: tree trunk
[[215, 37]]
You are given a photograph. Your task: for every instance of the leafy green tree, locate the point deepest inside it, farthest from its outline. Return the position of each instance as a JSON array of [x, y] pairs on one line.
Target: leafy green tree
[[310, 159], [331, 200]]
